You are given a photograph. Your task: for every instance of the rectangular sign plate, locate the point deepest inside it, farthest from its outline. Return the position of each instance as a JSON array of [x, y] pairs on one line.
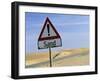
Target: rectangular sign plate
[[49, 43]]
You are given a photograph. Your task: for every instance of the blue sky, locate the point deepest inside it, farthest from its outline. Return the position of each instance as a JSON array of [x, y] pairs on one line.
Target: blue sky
[[73, 29]]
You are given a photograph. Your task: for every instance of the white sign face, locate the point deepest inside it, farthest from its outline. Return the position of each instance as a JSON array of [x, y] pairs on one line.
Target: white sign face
[[48, 31], [49, 37], [49, 43]]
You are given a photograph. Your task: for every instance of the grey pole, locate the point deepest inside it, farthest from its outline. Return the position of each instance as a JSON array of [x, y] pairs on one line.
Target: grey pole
[[50, 57]]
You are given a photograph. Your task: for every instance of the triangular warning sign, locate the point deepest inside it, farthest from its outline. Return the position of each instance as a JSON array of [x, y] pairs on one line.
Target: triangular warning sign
[[48, 31]]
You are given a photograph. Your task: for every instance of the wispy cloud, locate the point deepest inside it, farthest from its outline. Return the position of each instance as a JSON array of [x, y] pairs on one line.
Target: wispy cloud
[[73, 23]]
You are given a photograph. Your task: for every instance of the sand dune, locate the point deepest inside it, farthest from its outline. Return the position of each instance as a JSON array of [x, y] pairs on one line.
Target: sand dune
[[72, 57]]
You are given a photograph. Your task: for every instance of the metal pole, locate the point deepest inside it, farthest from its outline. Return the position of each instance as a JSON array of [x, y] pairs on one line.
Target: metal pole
[[50, 57]]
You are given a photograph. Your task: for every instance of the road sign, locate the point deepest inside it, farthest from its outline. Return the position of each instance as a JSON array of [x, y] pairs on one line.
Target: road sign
[[49, 37]]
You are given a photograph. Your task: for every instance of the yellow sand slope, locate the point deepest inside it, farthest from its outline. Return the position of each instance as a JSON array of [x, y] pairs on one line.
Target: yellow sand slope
[[72, 57]]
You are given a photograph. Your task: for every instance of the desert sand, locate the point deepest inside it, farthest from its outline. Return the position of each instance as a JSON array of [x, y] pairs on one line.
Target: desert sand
[[72, 57]]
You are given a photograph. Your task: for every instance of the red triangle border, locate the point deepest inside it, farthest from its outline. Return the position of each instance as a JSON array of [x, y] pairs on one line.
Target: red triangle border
[[48, 38]]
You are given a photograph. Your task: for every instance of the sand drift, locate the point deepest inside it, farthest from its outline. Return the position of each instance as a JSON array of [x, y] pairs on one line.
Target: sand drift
[[73, 57]]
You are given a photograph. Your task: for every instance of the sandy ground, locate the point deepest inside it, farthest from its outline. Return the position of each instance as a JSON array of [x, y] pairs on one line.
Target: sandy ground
[[73, 57]]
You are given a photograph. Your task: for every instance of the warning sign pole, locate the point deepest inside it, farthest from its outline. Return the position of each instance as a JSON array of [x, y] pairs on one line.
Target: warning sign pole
[[50, 57], [49, 38]]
